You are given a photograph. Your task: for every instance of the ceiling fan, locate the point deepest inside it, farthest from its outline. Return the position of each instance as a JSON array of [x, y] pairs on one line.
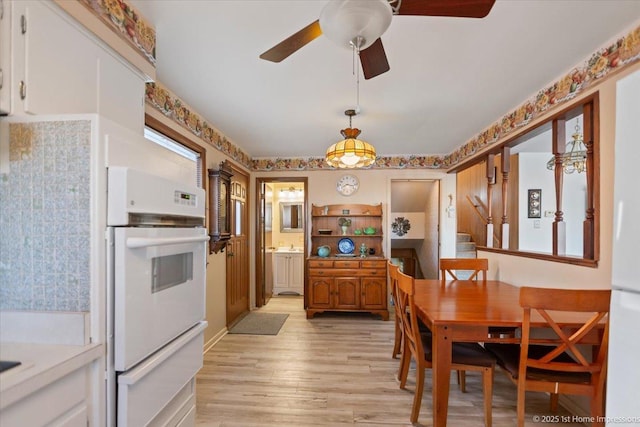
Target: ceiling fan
[[358, 24]]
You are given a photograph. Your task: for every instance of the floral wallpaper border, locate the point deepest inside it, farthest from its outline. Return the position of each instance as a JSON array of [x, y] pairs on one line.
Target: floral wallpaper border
[[607, 60], [171, 106], [126, 21]]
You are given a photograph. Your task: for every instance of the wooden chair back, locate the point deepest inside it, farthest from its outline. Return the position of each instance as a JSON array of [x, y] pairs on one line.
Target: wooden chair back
[[580, 373], [409, 322], [393, 283], [449, 266]]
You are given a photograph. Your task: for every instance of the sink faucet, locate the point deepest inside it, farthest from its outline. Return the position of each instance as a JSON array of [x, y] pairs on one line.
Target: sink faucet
[[291, 246]]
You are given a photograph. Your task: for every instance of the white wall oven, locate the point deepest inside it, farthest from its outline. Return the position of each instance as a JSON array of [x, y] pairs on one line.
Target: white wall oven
[[156, 264]]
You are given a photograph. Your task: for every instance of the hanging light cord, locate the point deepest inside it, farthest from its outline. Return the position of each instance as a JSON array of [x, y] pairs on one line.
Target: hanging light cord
[[355, 70]]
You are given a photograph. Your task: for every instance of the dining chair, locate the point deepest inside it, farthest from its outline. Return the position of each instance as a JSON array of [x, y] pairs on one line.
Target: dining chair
[[458, 268], [453, 267], [560, 364], [417, 345], [393, 281]]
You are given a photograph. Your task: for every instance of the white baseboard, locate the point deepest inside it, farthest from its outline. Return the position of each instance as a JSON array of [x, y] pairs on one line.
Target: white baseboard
[[214, 340]]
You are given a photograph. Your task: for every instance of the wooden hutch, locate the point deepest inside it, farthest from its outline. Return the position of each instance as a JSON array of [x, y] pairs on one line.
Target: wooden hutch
[[347, 282]]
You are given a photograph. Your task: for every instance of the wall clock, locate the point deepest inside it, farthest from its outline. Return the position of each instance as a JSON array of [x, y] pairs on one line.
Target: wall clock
[[347, 185]]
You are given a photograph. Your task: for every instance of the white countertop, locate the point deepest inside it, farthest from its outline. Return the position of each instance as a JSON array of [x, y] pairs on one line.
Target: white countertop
[[42, 364]]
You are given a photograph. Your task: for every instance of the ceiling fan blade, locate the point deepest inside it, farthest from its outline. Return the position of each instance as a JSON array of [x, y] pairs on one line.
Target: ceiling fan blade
[[460, 8], [293, 43], [374, 60]]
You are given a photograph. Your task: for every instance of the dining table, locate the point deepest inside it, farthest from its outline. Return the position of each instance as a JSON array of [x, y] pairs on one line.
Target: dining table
[[463, 311]]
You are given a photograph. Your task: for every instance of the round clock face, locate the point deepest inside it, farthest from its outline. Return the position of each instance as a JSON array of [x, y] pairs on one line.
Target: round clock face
[[347, 185]]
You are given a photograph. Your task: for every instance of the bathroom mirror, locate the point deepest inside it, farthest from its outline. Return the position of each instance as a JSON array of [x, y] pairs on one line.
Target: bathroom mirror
[[291, 217]]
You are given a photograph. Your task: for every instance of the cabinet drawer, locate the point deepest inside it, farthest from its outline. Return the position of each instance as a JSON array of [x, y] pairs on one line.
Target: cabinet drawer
[[346, 264], [374, 264], [378, 272], [320, 272], [316, 263]]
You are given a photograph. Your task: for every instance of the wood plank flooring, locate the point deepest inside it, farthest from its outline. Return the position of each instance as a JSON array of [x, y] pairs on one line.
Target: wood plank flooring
[[334, 370]]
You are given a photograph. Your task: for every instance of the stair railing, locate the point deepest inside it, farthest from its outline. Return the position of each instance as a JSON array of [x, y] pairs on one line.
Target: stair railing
[[482, 217]]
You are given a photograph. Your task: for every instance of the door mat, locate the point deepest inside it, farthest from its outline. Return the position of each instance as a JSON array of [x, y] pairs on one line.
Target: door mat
[[260, 324]]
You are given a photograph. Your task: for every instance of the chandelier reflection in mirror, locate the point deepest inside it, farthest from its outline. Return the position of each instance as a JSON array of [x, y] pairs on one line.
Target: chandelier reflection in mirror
[[350, 152], [574, 159]]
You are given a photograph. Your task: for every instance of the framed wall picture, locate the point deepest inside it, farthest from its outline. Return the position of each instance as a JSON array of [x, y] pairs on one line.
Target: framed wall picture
[[534, 205]]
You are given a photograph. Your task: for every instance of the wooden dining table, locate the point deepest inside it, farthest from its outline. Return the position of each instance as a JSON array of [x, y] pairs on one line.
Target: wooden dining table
[[463, 310]]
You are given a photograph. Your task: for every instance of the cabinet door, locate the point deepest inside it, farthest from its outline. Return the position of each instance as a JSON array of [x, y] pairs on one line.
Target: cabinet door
[[5, 56], [320, 289], [296, 271], [281, 271], [347, 292], [374, 292], [59, 62]]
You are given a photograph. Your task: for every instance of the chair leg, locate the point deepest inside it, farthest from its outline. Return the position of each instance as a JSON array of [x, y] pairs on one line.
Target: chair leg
[[553, 402], [487, 388], [417, 396], [597, 408], [405, 361], [462, 381], [397, 340], [520, 404]]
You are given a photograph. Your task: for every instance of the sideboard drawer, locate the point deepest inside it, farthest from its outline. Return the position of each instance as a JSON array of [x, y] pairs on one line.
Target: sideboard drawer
[[316, 263], [373, 272], [320, 272], [346, 264], [374, 264]]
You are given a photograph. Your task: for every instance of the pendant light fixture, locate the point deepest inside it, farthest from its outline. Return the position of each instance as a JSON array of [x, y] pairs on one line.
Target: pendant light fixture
[[574, 159], [350, 152]]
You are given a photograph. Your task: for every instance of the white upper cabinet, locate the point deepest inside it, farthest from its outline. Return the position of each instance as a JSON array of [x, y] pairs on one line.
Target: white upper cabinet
[[5, 57], [61, 68]]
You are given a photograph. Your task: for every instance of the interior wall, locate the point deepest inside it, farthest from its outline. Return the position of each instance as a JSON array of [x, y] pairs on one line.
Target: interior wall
[[375, 188]]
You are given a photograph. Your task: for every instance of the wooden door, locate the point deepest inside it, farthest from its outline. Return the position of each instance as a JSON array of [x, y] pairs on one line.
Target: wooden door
[[238, 248]]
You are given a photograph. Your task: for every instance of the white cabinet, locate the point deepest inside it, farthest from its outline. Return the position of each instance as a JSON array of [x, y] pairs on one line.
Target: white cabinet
[[61, 403], [288, 273], [5, 57], [58, 67]]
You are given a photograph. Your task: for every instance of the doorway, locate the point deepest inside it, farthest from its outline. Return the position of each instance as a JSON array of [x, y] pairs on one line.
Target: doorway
[[281, 212], [415, 202]]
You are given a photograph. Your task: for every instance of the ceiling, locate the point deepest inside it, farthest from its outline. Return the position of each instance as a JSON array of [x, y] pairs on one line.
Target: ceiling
[[450, 78]]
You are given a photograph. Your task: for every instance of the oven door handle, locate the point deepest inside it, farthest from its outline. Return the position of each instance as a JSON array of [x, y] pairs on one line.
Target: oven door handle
[[145, 242]]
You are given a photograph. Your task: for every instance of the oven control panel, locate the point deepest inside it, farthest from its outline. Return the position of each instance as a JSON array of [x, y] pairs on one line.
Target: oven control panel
[[134, 192], [186, 199]]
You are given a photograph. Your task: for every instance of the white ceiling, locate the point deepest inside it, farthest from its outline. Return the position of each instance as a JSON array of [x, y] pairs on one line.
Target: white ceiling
[[450, 77]]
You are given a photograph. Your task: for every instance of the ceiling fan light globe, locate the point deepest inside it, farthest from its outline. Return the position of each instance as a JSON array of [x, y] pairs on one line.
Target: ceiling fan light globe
[[345, 21]]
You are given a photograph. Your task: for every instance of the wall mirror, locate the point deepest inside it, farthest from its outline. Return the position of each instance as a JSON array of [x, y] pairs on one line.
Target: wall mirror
[[291, 217], [498, 199], [220, 207]]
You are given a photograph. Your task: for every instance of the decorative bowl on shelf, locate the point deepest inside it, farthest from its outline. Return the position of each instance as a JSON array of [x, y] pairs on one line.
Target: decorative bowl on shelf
[[370, 230], [324, 251], [325, 231], [357, 231]]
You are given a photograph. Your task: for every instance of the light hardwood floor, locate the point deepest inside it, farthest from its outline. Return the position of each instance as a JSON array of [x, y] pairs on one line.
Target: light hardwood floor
[[333, 370]]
